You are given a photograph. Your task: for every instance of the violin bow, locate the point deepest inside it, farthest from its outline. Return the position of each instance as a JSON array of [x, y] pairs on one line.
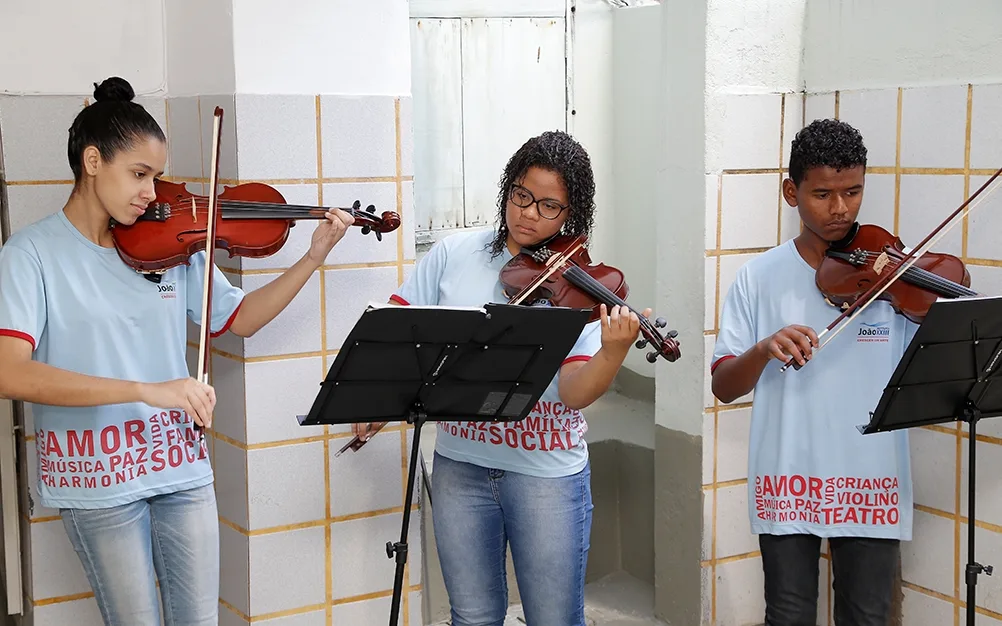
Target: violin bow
[[885, 281], [205, 342]]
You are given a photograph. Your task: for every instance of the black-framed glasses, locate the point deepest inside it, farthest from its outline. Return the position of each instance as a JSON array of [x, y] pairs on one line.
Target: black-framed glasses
[[547, 208]]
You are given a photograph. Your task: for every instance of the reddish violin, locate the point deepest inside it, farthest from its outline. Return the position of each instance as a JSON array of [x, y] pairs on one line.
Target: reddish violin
[[251, 220], [561, 272], [868, 262], [853, 265], [255, 222]]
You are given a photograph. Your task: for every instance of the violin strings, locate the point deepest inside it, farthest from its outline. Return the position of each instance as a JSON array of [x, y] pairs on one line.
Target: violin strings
[[590, 285], [924, 246], [925, 278], [251, 206]]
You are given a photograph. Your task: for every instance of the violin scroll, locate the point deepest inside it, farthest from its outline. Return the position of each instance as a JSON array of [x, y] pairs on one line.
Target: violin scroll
[[669, 352], [387, 222]]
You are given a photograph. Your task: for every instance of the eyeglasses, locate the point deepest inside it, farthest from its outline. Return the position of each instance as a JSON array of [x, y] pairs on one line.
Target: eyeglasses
[[547, 208]]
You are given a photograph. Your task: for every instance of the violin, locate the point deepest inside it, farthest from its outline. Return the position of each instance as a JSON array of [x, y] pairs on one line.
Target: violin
[[560, 271], [846, 274], [852, 265], [251, 220], [255, 223]]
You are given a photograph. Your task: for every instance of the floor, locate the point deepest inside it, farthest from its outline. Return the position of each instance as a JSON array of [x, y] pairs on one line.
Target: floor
[[616, 600]]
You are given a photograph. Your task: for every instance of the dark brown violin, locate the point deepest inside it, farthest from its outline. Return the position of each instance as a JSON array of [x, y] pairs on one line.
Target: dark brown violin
[[868, 262], [561, 272], [255, 222], [853, 265]]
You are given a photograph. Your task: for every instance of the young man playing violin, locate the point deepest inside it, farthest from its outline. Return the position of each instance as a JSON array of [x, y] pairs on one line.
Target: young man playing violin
[[100, 353], [811, 474]]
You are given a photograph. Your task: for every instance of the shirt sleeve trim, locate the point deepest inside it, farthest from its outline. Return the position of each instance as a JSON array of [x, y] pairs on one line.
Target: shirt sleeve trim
[[573, 359], [720, 360], [7, 332], [399, 300], [229, 322]]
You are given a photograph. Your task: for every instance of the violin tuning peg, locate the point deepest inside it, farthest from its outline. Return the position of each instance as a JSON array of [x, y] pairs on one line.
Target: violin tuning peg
[[673, 333], [641, 344], [365, 230], [379, 235], [652, 357], [371, 208], [356, 205], [660, 322]]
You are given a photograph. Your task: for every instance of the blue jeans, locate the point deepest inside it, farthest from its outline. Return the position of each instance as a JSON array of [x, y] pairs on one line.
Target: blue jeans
[[176, 534], [547, 521]]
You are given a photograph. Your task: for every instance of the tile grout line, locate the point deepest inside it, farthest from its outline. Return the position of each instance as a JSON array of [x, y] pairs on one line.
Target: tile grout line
[[328, 565], [398, 158], [897, 165], [957, 426], [967, 169], [716, 410], [779, 200]]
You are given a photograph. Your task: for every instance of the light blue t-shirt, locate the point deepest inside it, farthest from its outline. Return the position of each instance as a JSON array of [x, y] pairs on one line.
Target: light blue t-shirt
[[809, 468], [84, 310], [549, 442]]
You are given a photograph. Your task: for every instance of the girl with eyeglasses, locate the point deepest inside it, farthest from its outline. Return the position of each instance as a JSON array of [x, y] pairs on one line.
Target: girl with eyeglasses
[[522, 485]]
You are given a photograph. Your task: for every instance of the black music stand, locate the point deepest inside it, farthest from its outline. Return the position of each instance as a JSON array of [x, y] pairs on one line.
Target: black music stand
[[441, 364], [949, 373]]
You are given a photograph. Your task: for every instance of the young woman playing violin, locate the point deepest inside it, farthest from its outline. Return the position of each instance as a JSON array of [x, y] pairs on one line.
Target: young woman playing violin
[[100, 353], [812, 475], [526, 485]]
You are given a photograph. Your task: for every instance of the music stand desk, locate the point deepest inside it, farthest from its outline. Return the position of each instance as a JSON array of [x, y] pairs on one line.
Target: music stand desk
[[949, 372], [431, 364]]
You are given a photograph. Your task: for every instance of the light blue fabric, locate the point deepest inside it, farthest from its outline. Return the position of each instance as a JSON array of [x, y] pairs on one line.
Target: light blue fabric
[[174, 535], [85, 311], [459, 271], [809, 468], [479, 513]]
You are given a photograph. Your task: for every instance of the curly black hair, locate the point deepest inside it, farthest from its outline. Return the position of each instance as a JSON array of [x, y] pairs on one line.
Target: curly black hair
[[826, 143], [557, 152]]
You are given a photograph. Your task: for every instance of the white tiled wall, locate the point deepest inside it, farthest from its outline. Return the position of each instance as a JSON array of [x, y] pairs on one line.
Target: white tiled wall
[[948, 145]]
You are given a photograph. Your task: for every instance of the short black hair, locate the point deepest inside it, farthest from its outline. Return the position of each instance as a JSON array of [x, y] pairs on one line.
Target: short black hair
[[560, 153], [111, 124], [826, 143]]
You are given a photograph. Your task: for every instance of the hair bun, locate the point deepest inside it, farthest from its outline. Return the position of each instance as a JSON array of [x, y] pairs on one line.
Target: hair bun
[[114, 88]]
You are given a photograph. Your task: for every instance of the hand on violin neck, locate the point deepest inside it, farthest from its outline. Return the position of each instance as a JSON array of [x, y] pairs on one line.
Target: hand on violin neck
[[620, 329], [327, 234]]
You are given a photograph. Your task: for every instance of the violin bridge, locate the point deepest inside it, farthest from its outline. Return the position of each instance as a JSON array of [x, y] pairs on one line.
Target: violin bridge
[[881, 263]]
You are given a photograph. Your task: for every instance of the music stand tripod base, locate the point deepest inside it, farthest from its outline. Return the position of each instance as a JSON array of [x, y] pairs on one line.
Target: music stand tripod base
[[443, 364], [950, 372]]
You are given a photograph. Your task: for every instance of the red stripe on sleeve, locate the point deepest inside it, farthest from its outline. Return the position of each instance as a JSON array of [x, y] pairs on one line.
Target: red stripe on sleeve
[[226, 326], [399, 300], [573, 359], [719, 361], [6, 332]]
